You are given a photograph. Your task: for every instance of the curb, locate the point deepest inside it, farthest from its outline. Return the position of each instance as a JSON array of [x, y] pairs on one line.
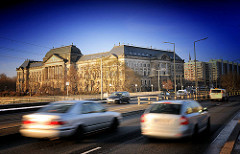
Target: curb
[[232, 140]]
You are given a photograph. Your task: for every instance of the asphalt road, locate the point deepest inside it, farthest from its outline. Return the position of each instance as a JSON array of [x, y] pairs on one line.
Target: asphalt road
[[127, 139]]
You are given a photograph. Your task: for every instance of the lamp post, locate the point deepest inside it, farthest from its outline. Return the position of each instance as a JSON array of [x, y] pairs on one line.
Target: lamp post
[[110, 86], [159, 88], [67, 84], [136, 87], [174, 67], [196, 76], [159, 77], [101, 79], [152, 87], [117, 70], [102, 74]]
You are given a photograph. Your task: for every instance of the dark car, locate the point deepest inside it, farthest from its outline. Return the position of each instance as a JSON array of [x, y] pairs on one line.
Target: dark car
[[119, 97]]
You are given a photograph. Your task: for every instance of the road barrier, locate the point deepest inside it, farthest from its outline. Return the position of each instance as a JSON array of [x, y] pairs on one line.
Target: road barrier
[[148, 99], [34, 99]]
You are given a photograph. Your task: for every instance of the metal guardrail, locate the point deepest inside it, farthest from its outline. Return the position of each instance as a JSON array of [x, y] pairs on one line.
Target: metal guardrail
[[33, 99], [148, 99], [157, 98], [237, 93]]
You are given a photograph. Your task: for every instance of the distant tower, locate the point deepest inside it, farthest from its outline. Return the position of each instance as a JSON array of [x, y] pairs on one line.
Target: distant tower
[[119, 43], [189, 57]]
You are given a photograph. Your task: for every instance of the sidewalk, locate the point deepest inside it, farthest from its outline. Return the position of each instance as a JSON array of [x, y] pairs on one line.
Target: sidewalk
[[228, 141]]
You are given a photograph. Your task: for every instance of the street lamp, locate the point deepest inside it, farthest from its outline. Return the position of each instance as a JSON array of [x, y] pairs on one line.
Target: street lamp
[[136, 87], [158, 75], [174, 67], [101, 79], [117, 70], [110, 85], [196, 76], [102, 74], [152, 87], [67, 84]]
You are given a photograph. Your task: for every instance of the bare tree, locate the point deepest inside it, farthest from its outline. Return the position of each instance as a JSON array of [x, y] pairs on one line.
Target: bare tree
[[130, 79], [73, 80], [230, 82], [7, 83]]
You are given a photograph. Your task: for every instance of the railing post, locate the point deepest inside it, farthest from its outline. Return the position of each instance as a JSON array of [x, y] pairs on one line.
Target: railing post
[[149, 102], [138, 101]]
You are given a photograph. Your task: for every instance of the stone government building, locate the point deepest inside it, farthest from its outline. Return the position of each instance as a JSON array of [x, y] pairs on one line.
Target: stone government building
[[124, 67]]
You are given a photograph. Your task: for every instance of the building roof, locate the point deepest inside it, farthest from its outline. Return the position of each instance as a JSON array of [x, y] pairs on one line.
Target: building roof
[[127, 50], [94, 56], [30, 63], [62, 51], [148, 52]]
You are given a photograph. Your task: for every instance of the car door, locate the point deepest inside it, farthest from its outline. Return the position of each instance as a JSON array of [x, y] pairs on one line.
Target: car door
[[124, 97], [104, 116], [90, 117], [200, 115]]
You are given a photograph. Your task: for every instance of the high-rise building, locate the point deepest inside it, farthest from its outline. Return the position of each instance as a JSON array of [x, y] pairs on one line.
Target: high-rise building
[[209, 73]]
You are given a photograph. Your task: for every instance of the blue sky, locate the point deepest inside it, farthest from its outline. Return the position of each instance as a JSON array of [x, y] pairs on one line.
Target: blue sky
[[29, 29]]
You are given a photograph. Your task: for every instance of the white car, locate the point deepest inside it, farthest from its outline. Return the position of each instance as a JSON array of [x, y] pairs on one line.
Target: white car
[[66, 118], [182, 93], [218, 94], [174, 119]]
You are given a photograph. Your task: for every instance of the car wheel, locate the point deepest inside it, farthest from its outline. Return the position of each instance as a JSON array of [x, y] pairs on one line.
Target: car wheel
[[120, 101], [114, 125], [150, 139], [195, 132], [78, 135], [208, 126]]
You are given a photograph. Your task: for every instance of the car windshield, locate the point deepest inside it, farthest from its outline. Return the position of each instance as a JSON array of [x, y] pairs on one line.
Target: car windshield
[[57, 108], [165, 108], [215, 91], [180, 91], [116, 94]]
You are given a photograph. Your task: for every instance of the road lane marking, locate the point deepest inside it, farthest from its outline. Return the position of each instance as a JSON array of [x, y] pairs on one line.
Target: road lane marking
[[91, 150]]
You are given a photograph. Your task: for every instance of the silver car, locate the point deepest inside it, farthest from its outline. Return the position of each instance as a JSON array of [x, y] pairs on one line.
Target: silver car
[[174, 119], [66, 118]]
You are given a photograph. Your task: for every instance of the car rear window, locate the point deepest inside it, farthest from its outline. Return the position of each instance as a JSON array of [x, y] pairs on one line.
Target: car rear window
[[165, 108], [216, 91], [57, 108]]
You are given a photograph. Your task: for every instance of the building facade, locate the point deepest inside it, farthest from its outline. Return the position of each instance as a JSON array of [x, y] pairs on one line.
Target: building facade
[[124, 67], [202, 71], [209, 73], [219, 67]]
